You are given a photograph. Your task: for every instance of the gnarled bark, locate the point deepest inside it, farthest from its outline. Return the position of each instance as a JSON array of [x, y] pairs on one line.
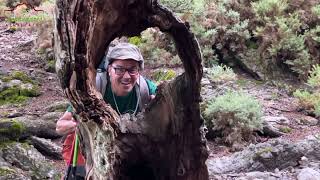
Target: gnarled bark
[[165, 141]]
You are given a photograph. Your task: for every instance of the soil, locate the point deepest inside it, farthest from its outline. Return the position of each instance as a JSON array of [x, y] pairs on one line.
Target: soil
[[17, 53]]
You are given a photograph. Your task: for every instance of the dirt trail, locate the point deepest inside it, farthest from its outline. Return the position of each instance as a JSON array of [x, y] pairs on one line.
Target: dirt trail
[[17, 54]]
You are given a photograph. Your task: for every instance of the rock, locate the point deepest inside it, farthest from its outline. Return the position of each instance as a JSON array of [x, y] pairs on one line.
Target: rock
[[52, 116], [10, 130], [2, 85], [38, 74], [47, 147], [304, 161], [27, 86], [58, 106], [205, 81], [308, 174], [266, 156], [269, 130], [14, 82], [30, 126], [11, 173], [258, 175], [308, 120], [27, 158], [14, 114], [278, 120]]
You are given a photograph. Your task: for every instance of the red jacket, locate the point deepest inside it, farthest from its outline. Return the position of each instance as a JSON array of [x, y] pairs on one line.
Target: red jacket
[[67, 151]]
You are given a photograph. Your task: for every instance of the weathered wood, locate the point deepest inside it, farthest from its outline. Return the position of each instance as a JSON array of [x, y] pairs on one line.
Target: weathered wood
[[165, 141]]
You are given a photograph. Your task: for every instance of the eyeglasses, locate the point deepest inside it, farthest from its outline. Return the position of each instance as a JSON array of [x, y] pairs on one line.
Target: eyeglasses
[[121, 71]]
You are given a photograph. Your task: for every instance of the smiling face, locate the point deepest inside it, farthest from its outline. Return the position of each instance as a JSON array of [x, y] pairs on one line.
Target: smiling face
[[123, 75]]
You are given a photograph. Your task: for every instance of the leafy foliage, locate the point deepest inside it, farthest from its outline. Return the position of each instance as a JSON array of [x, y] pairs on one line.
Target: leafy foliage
[[236, 114], [314, 77], [156, 47], [272, 39], [163, 75], [310, 100], [221, 73]]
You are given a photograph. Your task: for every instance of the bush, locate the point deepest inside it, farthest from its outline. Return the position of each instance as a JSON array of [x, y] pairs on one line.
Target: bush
[[314, 77], [163, 75], [236, 114], [308, 100], [270, 39], [221, 73], [157, 48]]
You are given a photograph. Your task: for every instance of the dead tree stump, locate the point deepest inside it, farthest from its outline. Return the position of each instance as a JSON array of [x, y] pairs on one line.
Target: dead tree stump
[[166, 141]]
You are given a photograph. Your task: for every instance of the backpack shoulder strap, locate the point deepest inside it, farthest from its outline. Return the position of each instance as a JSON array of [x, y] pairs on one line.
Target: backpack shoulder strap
[[143, 90], [101, 81]]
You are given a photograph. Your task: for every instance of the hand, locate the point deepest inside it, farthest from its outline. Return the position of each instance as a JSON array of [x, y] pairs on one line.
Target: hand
[[66, 124], [152, 97]]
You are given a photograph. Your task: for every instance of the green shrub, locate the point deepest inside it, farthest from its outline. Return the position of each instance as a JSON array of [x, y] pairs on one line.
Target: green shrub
[[236, 114], [314, 77], [316, 10], [163, 75], [270, 39], [221, 73], [135, 40], [157, 48], [178, 6], [308, 100], [269, 8]]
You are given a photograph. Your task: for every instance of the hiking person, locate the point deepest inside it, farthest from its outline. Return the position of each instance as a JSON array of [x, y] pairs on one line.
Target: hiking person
[[122, 86]]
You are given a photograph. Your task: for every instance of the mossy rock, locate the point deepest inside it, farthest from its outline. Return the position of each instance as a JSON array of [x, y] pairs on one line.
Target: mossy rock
[[10, 129], [20, 76], [15, 95]]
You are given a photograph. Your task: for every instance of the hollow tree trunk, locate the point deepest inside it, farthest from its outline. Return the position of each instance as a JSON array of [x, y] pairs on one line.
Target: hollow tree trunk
[[166, 141]]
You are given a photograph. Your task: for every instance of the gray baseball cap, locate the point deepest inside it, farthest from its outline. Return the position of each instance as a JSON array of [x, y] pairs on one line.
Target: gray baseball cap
[[124, 51]]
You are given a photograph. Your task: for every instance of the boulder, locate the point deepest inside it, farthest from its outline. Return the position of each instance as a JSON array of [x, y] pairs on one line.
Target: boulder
[[308, 174], [267, 156], [25, 157], [47, 147], [27, 126], [60, 106]]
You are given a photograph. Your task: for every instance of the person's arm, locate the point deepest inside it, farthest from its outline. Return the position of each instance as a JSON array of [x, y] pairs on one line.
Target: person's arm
[[66, 124], [152, 88]]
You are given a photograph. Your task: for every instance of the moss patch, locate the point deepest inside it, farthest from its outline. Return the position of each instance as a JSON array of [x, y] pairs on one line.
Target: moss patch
[[263, 151], [14, 95], [50, 66], [285, 129], [11, 129], [18, 94], [20, 76], [6, 171]]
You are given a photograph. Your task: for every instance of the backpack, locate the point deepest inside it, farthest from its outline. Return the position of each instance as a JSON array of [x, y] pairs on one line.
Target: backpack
[[141, 87]]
